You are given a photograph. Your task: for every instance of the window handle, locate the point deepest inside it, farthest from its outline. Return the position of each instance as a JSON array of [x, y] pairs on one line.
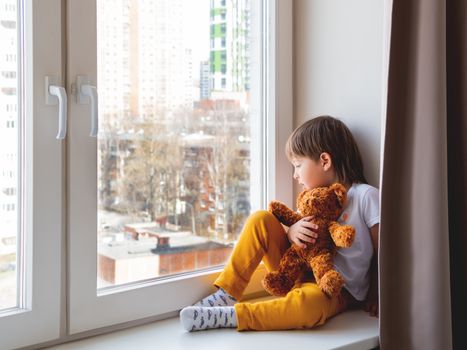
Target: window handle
[[60, 93], [87, 93], [91, 91]]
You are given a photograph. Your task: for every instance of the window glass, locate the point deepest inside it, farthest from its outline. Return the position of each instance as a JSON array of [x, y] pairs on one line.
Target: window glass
[[174, 179], [8, 155]]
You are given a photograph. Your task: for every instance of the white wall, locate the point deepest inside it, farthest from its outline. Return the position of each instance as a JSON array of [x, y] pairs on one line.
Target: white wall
[[338, 48]]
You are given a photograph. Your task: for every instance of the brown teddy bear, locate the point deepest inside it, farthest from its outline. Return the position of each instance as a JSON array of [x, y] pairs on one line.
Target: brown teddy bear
[[325, 205]]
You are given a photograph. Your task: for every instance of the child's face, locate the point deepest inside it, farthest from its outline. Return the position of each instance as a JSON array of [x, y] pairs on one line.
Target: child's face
[[311, 174]]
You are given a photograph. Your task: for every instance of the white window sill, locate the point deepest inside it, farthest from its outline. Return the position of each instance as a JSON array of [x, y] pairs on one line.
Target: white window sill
[[352, 330]]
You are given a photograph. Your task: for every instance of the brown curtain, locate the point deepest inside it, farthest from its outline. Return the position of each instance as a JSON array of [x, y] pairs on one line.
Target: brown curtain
[[456, 35], [423, 244]]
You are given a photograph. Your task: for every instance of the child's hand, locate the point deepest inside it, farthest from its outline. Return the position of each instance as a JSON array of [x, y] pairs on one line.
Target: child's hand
[[371, 305], [371, 302], [302, 231]]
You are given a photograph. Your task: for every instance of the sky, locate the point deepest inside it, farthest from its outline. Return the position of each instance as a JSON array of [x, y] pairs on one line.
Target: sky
[[197, 29]]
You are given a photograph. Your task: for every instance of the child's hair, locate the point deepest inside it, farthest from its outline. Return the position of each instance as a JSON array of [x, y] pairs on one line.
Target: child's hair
[[328, 134]]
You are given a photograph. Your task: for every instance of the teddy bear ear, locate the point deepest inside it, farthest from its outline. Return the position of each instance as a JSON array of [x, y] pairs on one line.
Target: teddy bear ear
[[340, 192], [301, 195]]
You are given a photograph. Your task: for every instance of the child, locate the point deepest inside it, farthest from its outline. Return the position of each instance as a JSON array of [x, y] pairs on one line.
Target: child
[[322, 151]]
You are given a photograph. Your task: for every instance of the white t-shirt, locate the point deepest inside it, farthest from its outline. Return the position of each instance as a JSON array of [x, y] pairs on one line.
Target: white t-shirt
[[362, 212]]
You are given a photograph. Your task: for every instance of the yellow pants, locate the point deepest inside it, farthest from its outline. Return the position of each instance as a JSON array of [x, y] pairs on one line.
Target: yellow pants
[[305, 306]]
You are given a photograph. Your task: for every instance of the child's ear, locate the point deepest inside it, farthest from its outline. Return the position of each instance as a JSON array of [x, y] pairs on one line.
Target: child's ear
[[326, 160], [340, 192]]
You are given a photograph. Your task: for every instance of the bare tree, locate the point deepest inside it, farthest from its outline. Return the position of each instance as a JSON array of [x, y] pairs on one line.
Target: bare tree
[[149, 166], [226, 166], [151, 178]]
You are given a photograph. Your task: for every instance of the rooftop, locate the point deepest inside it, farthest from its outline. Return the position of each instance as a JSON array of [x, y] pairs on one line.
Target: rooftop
[[179, 242]]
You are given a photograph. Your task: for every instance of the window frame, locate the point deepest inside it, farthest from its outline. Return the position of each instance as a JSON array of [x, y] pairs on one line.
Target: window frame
[[133, 303], [40, 189]]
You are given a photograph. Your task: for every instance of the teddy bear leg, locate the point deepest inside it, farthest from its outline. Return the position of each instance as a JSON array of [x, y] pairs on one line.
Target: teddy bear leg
[[329, 280], [280, 282], [331, 283]]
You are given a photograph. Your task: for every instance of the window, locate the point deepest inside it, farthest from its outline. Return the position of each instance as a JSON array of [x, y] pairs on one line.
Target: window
[[11, 91], [11, 107], [151, 192], [161, 178], [149, 178], [8, 24], [30, 193], [9, 207], [9, 74], [9, 191]]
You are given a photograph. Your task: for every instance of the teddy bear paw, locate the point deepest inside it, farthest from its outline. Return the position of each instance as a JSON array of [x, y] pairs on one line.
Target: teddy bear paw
[[277, 284], [331, 283], [348, 236]]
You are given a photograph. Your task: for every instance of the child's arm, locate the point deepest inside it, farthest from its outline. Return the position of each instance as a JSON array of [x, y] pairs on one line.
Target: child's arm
[[371, 304]]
